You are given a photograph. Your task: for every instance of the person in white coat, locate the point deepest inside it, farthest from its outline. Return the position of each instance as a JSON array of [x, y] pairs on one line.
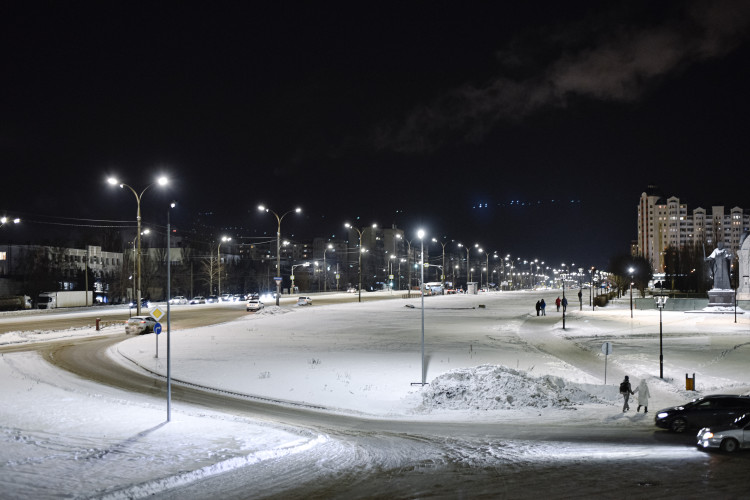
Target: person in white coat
[[643, 395]]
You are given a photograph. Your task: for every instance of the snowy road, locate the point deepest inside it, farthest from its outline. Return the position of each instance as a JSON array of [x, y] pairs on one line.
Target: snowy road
[[376, 447]]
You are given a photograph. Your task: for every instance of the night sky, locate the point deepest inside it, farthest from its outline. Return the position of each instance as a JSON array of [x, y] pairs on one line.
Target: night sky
[[529, 127]]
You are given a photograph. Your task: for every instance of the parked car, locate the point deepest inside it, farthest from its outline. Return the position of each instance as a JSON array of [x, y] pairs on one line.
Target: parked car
[[238, 297], [198, 299], [178, 299], [728, 438], [304, 301], [139, 324], [351, 290], [268, 297], [254, 305], [145, 304], [212, 299], [708, 411], [226, 297]]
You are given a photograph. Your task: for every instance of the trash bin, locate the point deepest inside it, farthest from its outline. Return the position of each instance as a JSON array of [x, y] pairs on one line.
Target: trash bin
[[689, 382]]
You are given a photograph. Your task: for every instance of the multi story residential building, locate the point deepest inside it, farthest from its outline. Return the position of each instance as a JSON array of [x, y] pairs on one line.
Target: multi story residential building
[[664, 223]]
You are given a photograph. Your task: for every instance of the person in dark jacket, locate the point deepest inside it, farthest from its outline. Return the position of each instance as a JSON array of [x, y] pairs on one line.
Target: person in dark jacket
[[557, 303], [538, 307], [626, 391], [544, 306]]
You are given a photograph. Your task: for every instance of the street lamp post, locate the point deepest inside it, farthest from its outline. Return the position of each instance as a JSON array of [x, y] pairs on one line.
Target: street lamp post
[[442, 271], [279, 218], [161, 181], [420, 235], [359, 271], [390, 272], [630, 270], [218, 259], [305, 264], [661, 301], [325, 269], [169, 296]]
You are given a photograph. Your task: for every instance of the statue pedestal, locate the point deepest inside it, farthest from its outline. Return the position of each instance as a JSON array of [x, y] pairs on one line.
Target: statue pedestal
[[720, 298]]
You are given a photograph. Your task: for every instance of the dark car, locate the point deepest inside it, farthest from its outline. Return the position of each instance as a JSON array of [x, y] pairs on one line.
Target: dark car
[[145, 304], [719, 409]]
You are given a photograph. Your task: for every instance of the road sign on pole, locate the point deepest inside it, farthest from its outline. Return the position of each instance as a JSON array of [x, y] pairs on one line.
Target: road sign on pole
[[157, 328]]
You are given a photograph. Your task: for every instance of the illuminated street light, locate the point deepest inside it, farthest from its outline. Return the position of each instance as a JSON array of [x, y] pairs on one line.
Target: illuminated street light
[[162, 181], [631, 271], [278, 245], [4, 220], [420, 235], [325, 269], [218, 259], [305, 264], [359, 271]]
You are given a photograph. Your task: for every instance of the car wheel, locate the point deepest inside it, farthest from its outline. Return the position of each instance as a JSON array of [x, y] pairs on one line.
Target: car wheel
[[678, 425], [729, 445]]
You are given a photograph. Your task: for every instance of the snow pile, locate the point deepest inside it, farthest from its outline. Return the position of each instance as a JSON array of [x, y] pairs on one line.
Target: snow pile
[[492, 387], [271, 311]]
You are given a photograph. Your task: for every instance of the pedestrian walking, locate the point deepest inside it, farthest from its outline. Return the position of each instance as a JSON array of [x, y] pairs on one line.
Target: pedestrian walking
[[626, 391], [643, 395], [538, 307], [580, 299], [557, 303], [543, 305], [565, 304]]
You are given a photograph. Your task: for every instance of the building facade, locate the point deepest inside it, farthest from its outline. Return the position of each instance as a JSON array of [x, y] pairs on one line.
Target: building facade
[[664, 223]]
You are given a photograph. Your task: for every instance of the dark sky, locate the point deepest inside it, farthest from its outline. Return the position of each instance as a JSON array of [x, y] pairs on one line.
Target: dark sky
[[555, 115]]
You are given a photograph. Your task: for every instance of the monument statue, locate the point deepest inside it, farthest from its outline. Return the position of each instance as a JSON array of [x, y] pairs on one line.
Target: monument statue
[[743, 292], [720, 260]]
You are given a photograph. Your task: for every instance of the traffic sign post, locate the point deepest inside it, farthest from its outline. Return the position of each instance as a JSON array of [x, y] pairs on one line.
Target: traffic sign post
[[157, 331], [607, 350]]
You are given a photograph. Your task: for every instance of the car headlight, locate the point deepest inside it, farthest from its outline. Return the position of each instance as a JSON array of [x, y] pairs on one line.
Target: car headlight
[[707, 435], [663, 414]]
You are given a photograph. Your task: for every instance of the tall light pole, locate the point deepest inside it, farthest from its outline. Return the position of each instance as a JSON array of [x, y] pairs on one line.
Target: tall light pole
[[468, 267], [325, 269], [442, 271], [661, 301], [161, 181], [631, 270], [169, 297], [305, 264], [218, 259], [420, 235], [359, 272], [279, 218], [390, 271]]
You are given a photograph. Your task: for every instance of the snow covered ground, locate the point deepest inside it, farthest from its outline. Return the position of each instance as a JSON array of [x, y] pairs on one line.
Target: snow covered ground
[[487, 357]]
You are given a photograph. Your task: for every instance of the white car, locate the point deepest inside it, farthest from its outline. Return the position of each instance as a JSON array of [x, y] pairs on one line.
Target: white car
[[304, 301], [178, 299], [254, 305], [728, 438], [139, 324], [198, 299]]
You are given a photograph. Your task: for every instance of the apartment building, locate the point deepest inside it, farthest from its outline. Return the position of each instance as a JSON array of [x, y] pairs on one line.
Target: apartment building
[[664, 223]]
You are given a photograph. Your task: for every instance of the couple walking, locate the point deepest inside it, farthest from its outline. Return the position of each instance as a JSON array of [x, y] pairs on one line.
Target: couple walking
[[643, 394], [540, 307]]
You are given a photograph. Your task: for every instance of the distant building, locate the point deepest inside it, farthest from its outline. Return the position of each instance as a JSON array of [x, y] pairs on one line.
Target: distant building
[[664, 223]]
